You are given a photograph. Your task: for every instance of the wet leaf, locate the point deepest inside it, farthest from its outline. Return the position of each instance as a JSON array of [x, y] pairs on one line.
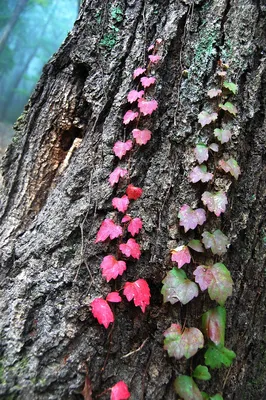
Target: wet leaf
[[181, 255], [196, 245], [189, 218], [139, 291], [199, 173], [201, 153], [177, 287], [182, 344]]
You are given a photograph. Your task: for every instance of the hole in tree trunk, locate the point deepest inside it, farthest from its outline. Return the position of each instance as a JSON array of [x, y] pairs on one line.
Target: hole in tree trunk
[[68, 137]]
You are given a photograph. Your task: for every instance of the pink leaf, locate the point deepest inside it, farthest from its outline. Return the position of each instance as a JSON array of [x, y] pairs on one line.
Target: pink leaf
[[120, 148], [215, 201], [217, 241], [230, 166], [141, 136], [159, 41], [155, 59], [214, 147], [181, 255], [116, 174], [223, 135], [146, 82], [205, 118], [177, 287], [200, 173], [189, 218], [113, 297], [139, 71], [221, 73], [121, 203], [221, 285], [126, 218], [147, 106], [134, 95], [130, 116], [139, 291], [151, 47], [135, 226], [130, 248], [120, 391], [133, 192], [108, 229], [203, 276], [214, 93], [201, 152], [102, 311], [111, 267]]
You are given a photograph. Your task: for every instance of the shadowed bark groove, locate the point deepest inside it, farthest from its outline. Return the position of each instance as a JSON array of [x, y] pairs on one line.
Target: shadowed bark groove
[[56, 194]]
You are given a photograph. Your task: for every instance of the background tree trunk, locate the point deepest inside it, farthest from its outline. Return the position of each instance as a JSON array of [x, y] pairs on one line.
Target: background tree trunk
[[51, 210]]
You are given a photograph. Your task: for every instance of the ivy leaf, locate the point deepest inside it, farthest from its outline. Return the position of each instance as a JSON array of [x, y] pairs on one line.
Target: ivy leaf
[[133, 192], [134, 95], [111, 267], [177, 287], [102, 311], [189, 218], [130, 248], [205, 118], [205, 396], [120, 391], [147, 81], [214, 147], [201, 153], [130, 116], [214, 93], [199, 173], [147, 106], [203, 276], [228, 107], [223, 135], [217, 241], [113, 297], [216, 397], [126, 218], [230, 166], [108, 229], [181, 255], [216, 356], [186, 388], [215, 201], [155, 59], [141, 136], [121, 148], [139, 71], [213, 324], [139, 291], [221, 286], [230, 86], [196, 245], [120, 203], [221, 73], [186, 343], [116, 174], [201, 372], [135, 226]]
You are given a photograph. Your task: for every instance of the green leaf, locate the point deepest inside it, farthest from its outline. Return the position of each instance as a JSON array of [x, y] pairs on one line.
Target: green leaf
[[231, 166], [179, 344], [223, 135], [196, 245], [176, 287], [216, 397], [216, 356], [228, 107], [205, 395], [230, 86], [186, 388], [213, 324], [201, 372], [221, 285]]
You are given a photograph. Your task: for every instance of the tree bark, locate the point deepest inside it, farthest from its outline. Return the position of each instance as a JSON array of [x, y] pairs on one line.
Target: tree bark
[[52, 208]]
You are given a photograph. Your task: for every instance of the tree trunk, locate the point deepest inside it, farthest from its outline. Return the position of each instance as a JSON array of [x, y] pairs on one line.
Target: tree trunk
[[55, 197], [11, 23]]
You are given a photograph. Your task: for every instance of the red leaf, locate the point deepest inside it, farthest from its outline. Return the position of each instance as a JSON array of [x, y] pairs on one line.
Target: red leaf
[[102, 311], [181, 255], [120, 391], [147, 106], [139, 291], [134, 95], [108, 229], [116, 174], [126, 218], [130, 248], [113, 297], [121, 148], [120, 203], [135, 226], [151, 47], [133, 192], [111, 267], [138, 71], [146, 82], [141, 136], [155, 59], [130, 116]]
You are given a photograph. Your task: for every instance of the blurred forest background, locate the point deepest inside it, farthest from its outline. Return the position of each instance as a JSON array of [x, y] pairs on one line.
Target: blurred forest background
[[30, 32]]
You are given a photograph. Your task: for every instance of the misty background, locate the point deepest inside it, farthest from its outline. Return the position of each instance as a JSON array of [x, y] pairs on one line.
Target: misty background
[[31, 31]]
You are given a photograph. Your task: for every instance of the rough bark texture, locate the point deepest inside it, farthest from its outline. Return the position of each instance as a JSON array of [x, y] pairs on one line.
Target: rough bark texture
[[53, 204]]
